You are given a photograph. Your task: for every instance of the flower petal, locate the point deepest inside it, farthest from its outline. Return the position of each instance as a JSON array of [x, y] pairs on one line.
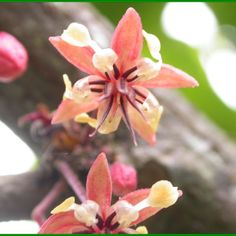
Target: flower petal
[[80, 57], [141, 126], [170, 77], [127, 40], [136, 197], [64, 222], [69, 109], [99, 185], [146, 126], [112, 120]]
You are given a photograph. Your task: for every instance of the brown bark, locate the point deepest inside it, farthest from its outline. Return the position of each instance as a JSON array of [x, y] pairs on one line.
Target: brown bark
[[190, 151]]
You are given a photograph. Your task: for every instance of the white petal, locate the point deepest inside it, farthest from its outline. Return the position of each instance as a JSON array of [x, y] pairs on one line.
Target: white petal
[[154, 45], [104, 59], [76, 35]]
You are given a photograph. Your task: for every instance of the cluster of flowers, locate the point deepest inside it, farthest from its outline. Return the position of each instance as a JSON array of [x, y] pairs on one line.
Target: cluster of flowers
[[117, 87]]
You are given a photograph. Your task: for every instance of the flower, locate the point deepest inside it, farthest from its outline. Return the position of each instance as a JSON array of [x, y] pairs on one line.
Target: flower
[[97, 215], [124, 178], [118, 80], [13, 58]]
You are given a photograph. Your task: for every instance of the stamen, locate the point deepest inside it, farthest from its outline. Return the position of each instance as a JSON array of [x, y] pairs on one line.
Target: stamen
[[133, 103], [109, 219], [116, 71], [141, 102], [128, 72], [107, 76], [132, 79], [122, 88], [140, 93], [97, 82], [105, 114], [100, 222], [114, 226], [96, 90], [107, 92], [127, 121]]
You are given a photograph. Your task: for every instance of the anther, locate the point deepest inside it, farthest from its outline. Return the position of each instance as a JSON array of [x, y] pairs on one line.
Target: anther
[[132, 79], [116, 71], [140, 93], [100, 222], [107, 76], [130, 71], [97, 82], [104, 116], [96, 90], [109, 219]]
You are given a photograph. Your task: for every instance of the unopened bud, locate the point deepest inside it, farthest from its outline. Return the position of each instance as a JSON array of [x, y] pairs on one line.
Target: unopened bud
[[13, 58], [124, 178]]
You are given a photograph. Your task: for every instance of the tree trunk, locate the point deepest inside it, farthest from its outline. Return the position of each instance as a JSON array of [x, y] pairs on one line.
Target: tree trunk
[[190, 151]]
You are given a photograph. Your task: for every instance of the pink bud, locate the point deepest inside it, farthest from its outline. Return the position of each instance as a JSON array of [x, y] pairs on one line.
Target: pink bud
[[124, 178], [13, 58]]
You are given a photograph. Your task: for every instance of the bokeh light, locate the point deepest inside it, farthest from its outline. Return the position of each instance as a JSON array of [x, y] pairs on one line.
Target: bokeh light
[[16, 156], [192, 23]]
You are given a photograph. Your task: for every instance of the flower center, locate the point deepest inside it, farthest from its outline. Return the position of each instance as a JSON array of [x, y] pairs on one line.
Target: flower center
[[118, 88]]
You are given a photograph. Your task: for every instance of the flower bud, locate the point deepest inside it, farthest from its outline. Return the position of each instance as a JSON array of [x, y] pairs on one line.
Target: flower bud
[[13, 58], [124, 178]]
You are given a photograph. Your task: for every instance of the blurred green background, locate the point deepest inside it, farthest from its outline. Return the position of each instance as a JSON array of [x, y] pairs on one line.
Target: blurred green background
[[199, 38]]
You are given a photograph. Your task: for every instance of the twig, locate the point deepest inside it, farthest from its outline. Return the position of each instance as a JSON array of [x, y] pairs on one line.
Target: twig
[[38, 213], [72, 179]]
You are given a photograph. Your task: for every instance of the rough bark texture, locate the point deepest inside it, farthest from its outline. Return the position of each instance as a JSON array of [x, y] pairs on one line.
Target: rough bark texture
[[191, 152]]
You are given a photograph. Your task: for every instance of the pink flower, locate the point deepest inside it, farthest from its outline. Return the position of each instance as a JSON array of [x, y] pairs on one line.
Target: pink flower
[[119, 78], [97, 215], [13, 58], [124, 178]]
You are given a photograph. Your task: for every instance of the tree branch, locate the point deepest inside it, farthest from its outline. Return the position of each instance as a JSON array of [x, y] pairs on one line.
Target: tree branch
[[191, 151]]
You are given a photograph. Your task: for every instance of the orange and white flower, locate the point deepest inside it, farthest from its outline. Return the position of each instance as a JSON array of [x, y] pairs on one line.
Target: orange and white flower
[[118, 80], [97, 215]]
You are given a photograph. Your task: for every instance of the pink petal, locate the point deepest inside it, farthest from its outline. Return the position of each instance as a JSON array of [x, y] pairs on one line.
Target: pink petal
[[127, 40], [63, 222], [170, 77], [141, 126], [80, 57], [68, 109], [99, 185], [136, 197]]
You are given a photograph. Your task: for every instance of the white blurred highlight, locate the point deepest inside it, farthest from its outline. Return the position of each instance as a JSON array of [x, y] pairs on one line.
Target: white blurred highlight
[[195, 24], [220, 68], [192, 23], [16, 157], [19, 227]]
